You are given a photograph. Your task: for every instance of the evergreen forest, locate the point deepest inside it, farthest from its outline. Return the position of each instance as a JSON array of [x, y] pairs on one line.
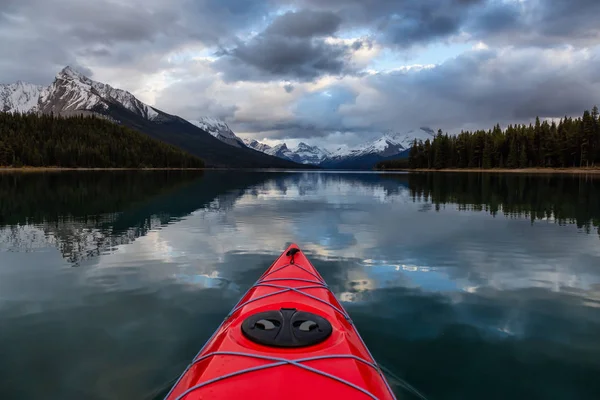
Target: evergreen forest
[[570, 143], [83, 142]]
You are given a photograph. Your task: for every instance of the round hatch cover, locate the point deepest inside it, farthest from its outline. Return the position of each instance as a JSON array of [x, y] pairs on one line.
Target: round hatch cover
[[287, 327]]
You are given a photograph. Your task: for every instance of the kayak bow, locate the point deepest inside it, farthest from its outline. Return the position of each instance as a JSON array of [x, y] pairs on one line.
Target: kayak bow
[[287, 338]]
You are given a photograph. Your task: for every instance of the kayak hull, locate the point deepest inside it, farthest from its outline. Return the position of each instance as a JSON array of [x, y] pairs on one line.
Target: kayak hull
[[333, 363]]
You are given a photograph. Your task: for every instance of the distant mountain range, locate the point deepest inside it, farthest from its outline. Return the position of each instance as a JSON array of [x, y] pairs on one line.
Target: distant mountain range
[[72, 93], [303, 153], [365, 156]]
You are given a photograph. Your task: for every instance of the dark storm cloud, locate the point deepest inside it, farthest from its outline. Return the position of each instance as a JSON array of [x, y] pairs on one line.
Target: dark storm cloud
[[305, 23], [413, 22], [291, 47], [539, 23], [495, 18], [401, 22]]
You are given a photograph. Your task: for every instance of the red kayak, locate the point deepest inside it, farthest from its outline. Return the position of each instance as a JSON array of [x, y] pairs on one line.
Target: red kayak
[[288, 338]]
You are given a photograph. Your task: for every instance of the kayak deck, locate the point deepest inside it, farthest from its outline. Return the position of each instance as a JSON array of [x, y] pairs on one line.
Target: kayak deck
[[269, 346]]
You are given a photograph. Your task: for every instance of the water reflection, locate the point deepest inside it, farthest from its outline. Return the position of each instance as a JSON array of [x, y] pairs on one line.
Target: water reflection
[[467, 286], [86, 214], [564, 199]]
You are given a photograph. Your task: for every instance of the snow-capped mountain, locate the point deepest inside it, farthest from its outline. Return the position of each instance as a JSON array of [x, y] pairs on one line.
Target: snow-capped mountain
[[362, 156], [365, 156], [19, 97], [72, 93], [256, 145], [311, 154], [303, 153], [388, 145], [219, 129], [281, 151]]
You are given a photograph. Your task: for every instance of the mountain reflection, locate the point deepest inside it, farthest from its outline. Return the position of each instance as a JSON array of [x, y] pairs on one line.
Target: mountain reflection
[[85, 214]]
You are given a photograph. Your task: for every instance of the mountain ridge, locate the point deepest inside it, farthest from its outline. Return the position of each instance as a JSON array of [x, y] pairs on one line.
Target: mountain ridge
[[364, 156], [73, 93]]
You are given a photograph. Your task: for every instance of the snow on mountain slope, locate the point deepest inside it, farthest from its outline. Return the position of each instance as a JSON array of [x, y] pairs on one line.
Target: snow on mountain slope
[[256, 145], [219, 129], [281, 151], [19, 97], [422, 133], [72, 91], [387, 145], [303, 153], [310, 154]]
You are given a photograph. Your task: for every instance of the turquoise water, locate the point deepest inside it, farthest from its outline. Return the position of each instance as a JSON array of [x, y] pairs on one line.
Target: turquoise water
[[466, 286]]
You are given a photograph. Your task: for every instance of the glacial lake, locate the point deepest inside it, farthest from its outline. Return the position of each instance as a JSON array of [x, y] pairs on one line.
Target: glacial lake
[[465, 286]]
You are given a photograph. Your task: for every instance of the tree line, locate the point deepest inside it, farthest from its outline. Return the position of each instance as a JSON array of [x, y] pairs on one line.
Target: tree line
[[570, 143], [83, 141]]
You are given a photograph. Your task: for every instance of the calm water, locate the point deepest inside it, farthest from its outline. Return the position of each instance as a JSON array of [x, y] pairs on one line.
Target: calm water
[[465, 286]]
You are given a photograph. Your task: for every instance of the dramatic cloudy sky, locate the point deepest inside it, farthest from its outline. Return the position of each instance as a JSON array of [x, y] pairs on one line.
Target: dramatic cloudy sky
[[326, 71]]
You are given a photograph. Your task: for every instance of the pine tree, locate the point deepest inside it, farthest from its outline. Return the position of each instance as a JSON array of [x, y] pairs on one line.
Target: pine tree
[[587, 133], [523, 161], [428, 154], [513, 154], [5, 154], [487, 155], [412, 155], [537, 143], [440, 151]]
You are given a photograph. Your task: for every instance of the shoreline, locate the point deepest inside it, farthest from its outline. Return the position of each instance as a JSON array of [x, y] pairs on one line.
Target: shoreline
[[60, 169], [506, 170], [51, 169]]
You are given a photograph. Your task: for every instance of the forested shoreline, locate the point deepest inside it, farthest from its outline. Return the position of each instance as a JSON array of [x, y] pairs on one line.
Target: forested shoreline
[[570, 143], [31, 140]]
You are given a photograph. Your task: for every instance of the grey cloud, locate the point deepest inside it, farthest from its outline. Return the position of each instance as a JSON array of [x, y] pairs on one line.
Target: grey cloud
[[486, 87], [103, 22], [475, 90], [81, 69], [495, 18], [315, 115], [305, 23], [531, 23], [288, 87], [539, 23], [269, 57], [183, 99], [132, 34], [407, 32], [402, 22], [291, 47], [216, 22]]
